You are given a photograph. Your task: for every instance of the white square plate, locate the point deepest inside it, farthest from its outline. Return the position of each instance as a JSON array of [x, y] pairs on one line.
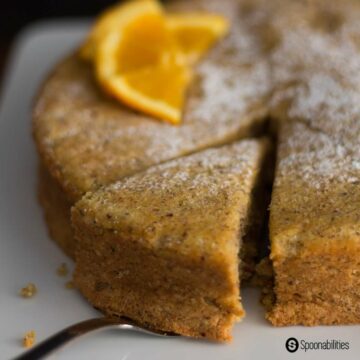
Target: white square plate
[[28, 255]]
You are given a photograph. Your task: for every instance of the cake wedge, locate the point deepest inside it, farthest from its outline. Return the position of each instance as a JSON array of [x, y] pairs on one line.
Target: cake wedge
[[162, 247], [314, 230], [315, 205]]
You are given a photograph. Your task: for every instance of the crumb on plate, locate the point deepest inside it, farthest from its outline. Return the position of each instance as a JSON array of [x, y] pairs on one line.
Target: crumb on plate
[[28, 291], [70, 285], [62, 270], [29, 339]]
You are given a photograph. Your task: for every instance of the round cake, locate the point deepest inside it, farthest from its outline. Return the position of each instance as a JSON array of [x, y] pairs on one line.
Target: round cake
[[287, 70]]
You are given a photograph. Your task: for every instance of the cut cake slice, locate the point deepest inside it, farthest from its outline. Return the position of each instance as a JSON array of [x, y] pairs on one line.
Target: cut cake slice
[[315, 206], [162, 247], [315, 230]]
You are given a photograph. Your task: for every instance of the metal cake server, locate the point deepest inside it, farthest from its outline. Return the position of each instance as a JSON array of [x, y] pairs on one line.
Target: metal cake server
[[56, 341]]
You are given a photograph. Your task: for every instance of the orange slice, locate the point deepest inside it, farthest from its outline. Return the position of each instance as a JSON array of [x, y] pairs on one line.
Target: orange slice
[[112, 19], [143, 57], [195, 33], [158, 91]]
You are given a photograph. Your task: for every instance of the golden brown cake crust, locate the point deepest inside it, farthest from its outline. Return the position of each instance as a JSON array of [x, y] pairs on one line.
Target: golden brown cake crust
[[167, 241], [56, 211]]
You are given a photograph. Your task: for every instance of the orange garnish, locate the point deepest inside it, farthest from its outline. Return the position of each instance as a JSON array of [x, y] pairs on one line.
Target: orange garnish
[[144, 57]]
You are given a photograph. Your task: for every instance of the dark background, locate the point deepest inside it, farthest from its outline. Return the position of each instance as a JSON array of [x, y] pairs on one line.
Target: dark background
[[16, 14]]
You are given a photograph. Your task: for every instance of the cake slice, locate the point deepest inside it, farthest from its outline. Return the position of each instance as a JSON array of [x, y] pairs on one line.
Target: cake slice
[[315, 230], [162, 247], [315, 206]]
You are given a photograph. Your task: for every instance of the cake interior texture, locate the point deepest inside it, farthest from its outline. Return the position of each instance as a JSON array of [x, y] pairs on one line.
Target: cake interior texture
[[293, 65], [314, 228], [162, 247]]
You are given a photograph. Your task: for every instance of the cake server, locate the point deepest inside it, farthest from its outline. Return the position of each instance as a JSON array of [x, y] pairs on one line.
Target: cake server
[[55, 342]]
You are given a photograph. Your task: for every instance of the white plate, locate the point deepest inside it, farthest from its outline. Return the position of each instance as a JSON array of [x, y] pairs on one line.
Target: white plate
[[28, 255]]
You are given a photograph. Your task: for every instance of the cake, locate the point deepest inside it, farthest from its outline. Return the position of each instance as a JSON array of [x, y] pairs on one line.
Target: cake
[[162, 246], [314, 230], [294, 65], [315, 206], [85, 139], [56, 208]]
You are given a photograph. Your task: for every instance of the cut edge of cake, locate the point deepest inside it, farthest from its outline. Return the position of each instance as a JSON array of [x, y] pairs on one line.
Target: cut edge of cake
[[314, 230]]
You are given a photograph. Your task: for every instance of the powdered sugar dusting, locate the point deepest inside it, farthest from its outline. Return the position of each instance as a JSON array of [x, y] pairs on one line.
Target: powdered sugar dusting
[[312, 157], [316, 68], [325, 79], [227, 96], [316, 73], [235, 77], [213, 170]]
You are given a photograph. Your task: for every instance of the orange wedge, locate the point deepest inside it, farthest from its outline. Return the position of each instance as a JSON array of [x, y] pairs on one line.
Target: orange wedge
[[143, 57], [112, 19], [195, 33], [158, 91]]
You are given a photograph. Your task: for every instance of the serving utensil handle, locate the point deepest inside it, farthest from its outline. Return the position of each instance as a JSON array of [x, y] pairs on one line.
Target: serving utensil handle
[[61, 338]]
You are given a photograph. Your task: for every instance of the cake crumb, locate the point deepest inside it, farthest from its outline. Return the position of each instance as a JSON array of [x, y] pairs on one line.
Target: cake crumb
[[28, 291], [70, 285], [62, 270], [29, 339]]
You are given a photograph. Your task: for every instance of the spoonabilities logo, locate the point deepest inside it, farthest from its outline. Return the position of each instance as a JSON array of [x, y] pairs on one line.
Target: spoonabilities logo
[[292, 345]]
